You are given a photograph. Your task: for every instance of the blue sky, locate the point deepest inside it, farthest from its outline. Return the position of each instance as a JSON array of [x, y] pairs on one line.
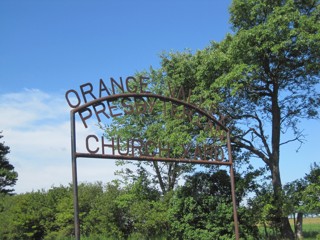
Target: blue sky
[[49, 47]]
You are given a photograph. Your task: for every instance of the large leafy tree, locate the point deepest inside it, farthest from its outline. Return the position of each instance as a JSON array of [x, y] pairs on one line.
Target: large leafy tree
[[263, 78], [8, 176], [276, 56]]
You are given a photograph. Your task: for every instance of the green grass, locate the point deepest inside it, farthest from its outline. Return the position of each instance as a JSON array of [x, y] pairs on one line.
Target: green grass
[[310, 228]]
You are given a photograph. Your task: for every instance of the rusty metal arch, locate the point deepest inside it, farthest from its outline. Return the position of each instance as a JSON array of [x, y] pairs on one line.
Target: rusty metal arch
[[76, 155], [164, 98]]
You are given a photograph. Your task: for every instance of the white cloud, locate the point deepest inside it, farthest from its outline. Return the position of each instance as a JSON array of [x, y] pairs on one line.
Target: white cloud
[[29, 106], [36, 127]]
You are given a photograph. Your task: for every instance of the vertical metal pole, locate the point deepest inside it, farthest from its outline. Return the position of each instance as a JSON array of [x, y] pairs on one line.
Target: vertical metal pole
[[233, 191], [74, 177]]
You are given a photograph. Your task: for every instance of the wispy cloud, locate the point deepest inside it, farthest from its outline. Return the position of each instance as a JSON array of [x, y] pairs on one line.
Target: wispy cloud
[[36, 127]]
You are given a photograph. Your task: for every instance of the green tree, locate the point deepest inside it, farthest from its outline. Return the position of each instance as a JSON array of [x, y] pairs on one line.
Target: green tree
[[263, 209], [311, 195], [303, 197], [158, 128], [135, 210], [145, 209], [25, 217], [263, 79], [60, 220], [294, 194], [275, 71], [202, 207], [109, 217], [6, 202], [62, 204], [8, 176], [34, 215]]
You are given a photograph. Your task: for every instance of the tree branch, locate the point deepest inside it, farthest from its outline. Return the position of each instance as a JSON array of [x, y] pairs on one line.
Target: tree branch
[[251, 148]]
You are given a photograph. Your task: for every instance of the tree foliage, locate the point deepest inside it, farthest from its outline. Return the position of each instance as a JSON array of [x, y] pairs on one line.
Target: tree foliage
[[303, 197], [111, 211], [202, 207], [261, 81], [8, 177], [159, 127], [263, 78], [199, 209]]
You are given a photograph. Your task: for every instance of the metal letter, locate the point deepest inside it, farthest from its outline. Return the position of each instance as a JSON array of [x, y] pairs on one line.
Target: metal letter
[[103, 87], [111, 111], [162, 149], [142, 85], [114, 83], [84, 93], [87, 143], [83, 119], [103, 145], [100, 111], [68, 100], [119, 146], [135, 88]]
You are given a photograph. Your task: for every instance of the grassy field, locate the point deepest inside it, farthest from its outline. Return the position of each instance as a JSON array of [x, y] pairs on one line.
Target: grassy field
[[310, 228]]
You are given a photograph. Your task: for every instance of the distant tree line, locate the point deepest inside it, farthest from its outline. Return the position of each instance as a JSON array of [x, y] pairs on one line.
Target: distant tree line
[[201, 208]]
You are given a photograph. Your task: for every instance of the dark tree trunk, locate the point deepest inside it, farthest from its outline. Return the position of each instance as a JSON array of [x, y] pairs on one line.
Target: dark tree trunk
[[161, 183], [298, 226], [167, 182], [281, 220]]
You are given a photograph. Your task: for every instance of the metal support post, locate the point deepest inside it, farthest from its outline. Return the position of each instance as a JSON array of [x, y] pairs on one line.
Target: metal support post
[[75, 178], [233, 191]]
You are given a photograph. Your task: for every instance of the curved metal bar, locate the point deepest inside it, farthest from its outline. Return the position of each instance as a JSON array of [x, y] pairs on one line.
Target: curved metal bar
[[150, 95]]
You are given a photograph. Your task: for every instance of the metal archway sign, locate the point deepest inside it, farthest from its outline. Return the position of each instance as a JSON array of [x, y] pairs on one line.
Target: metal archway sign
[[132, 97]]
